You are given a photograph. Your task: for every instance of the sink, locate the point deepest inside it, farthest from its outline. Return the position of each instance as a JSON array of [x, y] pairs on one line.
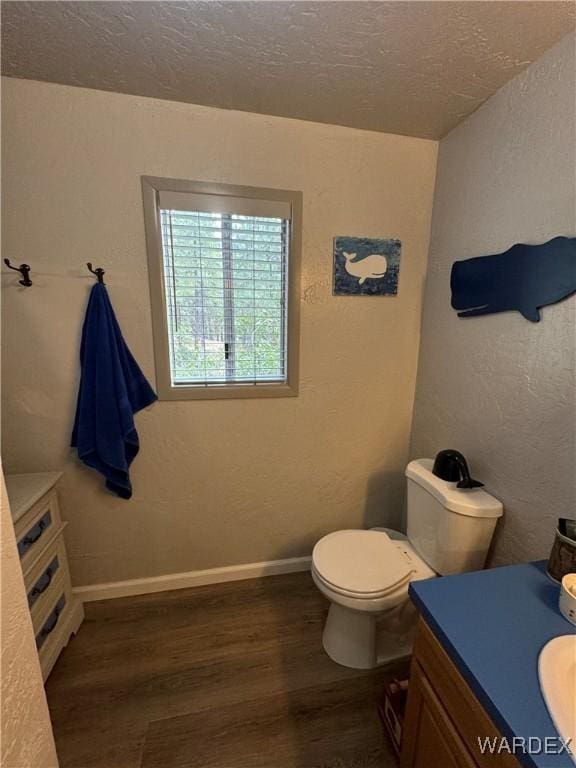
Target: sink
[[557, 673]]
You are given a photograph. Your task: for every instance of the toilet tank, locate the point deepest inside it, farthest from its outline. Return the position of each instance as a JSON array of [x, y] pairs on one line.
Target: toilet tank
[[450, 528]]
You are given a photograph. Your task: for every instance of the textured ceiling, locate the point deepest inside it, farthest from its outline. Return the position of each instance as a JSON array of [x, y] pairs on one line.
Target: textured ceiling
[[414, 68]]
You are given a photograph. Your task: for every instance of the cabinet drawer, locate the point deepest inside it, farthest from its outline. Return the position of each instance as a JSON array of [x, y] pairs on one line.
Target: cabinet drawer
[[57, 627], [50, 622], [46, 578], [36, 528], [47, 575]]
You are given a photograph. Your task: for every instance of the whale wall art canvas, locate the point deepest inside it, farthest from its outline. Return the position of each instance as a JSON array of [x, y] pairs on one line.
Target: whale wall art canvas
[[366, 266]]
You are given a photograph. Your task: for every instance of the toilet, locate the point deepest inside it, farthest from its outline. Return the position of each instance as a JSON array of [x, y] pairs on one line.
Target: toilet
[[365, 574]]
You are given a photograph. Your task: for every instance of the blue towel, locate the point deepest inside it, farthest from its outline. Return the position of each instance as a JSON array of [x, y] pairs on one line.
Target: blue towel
[[112, 390]]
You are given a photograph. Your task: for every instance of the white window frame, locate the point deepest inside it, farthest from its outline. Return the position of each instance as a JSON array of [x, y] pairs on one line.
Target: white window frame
[[151, 188]]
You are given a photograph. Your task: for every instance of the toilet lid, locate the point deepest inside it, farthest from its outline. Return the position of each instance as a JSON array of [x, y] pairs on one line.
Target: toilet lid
[[361, 561]]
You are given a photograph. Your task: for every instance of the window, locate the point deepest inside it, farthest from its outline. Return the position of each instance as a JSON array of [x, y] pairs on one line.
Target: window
[[224, 280]]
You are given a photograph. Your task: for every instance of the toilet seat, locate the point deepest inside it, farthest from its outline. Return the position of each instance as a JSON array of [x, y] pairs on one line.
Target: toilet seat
[[361, 564], [362, 597]]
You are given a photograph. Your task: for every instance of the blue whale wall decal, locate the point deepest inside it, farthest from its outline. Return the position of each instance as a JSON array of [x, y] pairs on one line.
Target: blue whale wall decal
[[523, 278]]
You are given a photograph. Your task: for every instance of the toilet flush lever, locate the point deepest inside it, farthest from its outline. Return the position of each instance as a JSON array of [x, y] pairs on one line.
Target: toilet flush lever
[[467, 481]]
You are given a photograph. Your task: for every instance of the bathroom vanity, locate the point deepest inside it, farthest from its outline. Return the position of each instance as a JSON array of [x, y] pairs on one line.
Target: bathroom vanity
[[55, 612], [474, 671]]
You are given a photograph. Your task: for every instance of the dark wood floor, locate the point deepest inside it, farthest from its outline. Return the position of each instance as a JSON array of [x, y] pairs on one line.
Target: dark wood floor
[[225, 676]]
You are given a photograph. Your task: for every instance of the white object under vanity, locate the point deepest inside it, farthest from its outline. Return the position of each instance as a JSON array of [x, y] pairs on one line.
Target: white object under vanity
[[56, 613]]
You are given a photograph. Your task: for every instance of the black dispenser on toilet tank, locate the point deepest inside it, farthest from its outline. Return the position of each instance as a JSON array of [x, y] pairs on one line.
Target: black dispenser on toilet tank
[[451, 465]]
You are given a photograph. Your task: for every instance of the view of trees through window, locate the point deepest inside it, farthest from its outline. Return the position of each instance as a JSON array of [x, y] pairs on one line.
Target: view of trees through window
[[225, 284]]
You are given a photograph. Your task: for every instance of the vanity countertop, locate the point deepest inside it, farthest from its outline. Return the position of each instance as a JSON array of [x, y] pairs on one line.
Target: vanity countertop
[[25, 490], [493, 624]]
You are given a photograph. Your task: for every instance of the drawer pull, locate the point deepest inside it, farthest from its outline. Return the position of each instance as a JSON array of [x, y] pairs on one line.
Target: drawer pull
[[34, 534], [33, 539], [47, 628], [43, 582], [51, 622], [44, 587]]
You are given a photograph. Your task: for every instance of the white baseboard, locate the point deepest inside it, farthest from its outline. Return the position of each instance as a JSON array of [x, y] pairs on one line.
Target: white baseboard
[[190, 579]]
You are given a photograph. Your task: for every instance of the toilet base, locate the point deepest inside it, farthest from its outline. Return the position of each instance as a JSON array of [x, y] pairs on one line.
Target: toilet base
[[349, 637], [364, 640]]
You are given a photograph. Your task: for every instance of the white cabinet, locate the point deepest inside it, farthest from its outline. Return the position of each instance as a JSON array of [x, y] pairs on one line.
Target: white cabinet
[[56, 613]]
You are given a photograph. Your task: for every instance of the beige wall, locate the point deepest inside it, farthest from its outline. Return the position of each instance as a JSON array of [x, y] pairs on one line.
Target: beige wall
[[26, 735], [499, 388], [216, 483]]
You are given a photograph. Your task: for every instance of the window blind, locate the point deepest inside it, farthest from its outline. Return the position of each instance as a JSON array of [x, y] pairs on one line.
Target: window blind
[[225, 284]]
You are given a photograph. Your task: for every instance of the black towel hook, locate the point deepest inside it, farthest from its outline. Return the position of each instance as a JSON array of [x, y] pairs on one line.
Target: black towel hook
[[24, 270], [99, 272]]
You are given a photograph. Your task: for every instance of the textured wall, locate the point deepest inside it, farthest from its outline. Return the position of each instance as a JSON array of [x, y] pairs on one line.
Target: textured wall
[[26, 736], [221, 482], [499, 388]]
